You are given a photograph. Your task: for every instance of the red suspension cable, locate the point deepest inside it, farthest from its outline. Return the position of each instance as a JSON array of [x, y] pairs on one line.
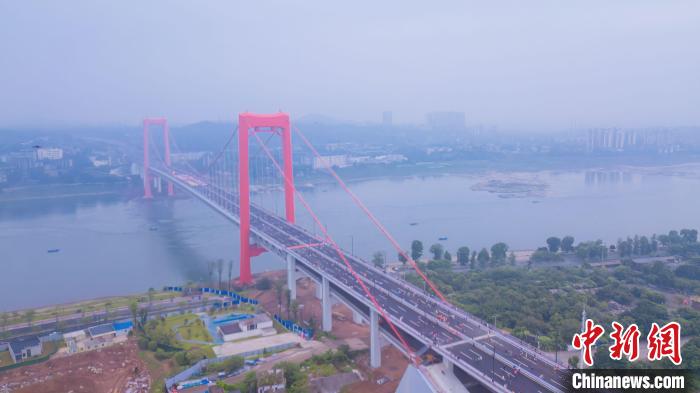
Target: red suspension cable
[[371, 216], [340, 253]]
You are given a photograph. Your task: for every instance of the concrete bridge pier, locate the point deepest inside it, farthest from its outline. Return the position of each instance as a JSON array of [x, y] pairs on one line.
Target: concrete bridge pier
[[375, 346], [292, 276], [326, 305]]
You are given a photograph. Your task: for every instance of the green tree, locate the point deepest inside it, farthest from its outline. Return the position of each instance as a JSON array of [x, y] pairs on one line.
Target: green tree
[[437, 250], [264, 284], [463, 255], [29, 317], [416, 250], [230, 271], [498, 253], [378, 259], [553, 243], [472, 261], [573, 361], [295, 309], [511, 258], [151, 293], [288, 296], [220, 269], [567, 243], [108, 308], [4, 321], [402, 258], [483, 258], [279, 291], [134, 309], [447, 256], [250, 382]]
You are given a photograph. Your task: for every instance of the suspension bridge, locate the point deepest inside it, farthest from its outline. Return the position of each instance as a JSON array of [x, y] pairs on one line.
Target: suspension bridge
[[258, 156]]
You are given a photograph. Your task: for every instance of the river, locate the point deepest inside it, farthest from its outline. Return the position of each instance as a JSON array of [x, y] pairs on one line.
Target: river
[[112, 245]]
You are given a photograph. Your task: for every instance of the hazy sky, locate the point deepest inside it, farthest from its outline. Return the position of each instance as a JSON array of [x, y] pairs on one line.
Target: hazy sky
[[512, 63]]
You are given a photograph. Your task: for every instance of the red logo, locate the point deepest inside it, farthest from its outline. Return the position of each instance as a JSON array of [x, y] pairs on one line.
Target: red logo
[[586, 339], [626, 342], [665, 342]]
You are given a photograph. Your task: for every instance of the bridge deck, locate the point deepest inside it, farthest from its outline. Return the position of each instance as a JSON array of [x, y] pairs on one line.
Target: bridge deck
[[452, 332]]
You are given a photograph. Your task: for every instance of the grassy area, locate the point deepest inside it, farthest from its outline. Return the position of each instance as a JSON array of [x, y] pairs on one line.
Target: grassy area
[[5, 358], [194, 331], [172, 322], [72, 309]]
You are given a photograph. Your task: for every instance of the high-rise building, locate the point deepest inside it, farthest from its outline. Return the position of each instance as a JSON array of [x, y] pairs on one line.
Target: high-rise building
[[387, 118], [50, 153], [446, 120]]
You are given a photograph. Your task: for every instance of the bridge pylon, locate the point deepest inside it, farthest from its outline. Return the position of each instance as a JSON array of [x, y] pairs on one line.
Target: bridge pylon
[[277, 123], [147, 123]]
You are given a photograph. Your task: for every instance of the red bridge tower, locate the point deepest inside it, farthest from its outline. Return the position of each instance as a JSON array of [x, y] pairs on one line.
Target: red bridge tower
[[279, 124]]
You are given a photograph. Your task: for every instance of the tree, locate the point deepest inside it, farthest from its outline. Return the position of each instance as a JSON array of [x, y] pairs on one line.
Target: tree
[[463, 255], [472, 261], [288, 296], [279, 291], [250, 382], [378, 259], [573, 361], [151, 293], [4, 320], [689, 235], [295, 309], [553, 243], [498, 253], [511, 258], [264, 284], [483, 258], [230, 270], [29, 317], [402, 258], [134, 309], [416, 250], [108, 307], [437, 250], [220, 269], [211, 266], [567, 244], [447, 256]]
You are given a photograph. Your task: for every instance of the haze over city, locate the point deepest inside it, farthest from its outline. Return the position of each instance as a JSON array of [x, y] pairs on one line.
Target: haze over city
[[312, 196], [519, 65]]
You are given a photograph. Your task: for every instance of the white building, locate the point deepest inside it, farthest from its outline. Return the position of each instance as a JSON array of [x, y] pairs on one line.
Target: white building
[[338, 161], [96, 337], [259, 325], [49, 153], [25, 348]]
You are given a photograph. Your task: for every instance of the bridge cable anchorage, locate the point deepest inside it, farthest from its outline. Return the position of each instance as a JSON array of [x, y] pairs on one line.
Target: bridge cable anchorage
[[371, 216], [408, 349]]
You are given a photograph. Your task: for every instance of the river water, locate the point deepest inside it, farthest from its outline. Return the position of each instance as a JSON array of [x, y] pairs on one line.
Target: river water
[[112, 245]]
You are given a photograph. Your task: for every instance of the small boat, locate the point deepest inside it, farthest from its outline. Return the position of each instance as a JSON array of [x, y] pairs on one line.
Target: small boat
[[53, 250], [413, 224], [442, 238], [153, 228]]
